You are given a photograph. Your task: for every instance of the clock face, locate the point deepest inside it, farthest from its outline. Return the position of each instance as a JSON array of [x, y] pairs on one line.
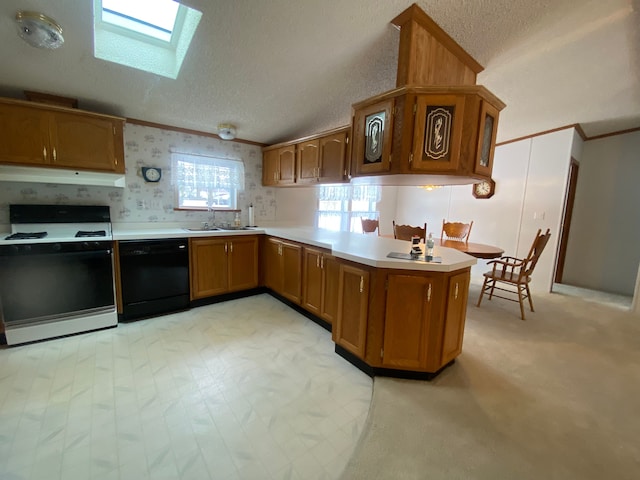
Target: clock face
[[151, 174], [484, 189]]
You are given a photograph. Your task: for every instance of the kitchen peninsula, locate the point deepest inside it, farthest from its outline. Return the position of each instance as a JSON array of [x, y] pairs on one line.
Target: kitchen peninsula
[[387, 316]]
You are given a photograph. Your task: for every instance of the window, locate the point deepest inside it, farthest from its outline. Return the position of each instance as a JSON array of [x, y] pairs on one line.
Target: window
[[149, 35], [340, 207], [205, 183], [155, 18]]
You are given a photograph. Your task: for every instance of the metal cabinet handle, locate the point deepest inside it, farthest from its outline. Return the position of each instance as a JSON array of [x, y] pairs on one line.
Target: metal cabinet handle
[[231, 247], [44, 152], [361, 284], [225, 247], [318, 261], [322, 261], [455, 295], [429, 293], [55, 157]]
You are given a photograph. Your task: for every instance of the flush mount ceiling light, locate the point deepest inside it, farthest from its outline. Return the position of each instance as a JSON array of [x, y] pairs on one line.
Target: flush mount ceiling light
[[38, 30], [226, 131]]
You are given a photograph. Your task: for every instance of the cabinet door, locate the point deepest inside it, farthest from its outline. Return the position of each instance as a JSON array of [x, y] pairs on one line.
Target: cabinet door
[[208, 267], [291, 272], [287, 165], [438, 133], [243, 263], [487, 132], [353, 305], [330, 288], [308, 167], [312, 280], [273, 264], [270, 167], [85, 142], [373, 126], [407, 317], [332, 156], [458, 290], [24, 135]]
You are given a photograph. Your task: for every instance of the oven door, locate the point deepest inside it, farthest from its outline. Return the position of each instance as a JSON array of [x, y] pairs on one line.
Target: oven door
[[48, 282]]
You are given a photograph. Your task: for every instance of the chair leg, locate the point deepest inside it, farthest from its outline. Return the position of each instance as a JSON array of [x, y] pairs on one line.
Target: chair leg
[[482, 290], [529, 297], [493, 286], [521, 302]]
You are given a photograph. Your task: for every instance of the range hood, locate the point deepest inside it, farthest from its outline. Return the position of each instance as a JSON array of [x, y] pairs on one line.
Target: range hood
[[9, 173], [437, 127]]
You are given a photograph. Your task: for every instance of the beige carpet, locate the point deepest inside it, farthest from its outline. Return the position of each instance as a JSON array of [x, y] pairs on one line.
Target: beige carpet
[[554, 397]]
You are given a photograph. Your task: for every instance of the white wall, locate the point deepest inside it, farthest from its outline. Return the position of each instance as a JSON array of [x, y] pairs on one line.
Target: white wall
[[530, 178], [602, 252]]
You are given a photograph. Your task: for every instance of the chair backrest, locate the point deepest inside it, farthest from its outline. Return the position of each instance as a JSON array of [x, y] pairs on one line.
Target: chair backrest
[[534, 254], [456, 231], [370, 225], [405, 232]]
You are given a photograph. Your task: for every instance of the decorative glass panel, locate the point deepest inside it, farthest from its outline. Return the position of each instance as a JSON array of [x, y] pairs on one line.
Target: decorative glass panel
[[437, 132], [487, 136], [374, 135]]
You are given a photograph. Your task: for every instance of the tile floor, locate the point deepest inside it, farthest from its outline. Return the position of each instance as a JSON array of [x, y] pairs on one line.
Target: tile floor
[[246, 389]]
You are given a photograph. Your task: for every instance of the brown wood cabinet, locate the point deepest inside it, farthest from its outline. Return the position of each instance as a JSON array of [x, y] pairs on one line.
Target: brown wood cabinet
[[407, 319], [443, 131], [40, 135], [283, 268], [456, 312], [321, 273], [279, 166], [222, 265], [353, 301], [318, 159]]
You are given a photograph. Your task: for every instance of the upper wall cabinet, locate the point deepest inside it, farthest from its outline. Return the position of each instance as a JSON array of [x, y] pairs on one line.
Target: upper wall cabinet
[[445, 131], [38, 135], [314, 160]]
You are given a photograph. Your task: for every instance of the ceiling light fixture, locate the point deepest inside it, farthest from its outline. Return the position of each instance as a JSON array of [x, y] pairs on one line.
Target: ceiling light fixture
[[430, 187], [38, 30], [226, 131]]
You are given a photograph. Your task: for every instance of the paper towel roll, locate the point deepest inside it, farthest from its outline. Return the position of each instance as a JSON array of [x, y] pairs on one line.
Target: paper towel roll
[[251, 219]]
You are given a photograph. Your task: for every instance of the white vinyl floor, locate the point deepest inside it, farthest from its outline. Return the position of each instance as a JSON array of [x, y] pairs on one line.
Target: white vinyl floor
[[245, 389]]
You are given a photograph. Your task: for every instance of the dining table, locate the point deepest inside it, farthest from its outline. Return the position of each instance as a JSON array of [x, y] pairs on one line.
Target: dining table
[[478, 250]]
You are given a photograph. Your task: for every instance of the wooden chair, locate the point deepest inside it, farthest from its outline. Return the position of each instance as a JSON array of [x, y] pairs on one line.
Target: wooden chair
[[515, 272], [456, 231], [405, 232], [370, 225]]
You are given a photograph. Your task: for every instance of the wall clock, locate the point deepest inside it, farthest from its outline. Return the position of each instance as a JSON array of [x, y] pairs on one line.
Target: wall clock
[[484, 189], [151, 174]]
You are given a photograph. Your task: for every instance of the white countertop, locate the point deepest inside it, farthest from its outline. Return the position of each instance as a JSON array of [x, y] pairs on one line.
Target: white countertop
[[365, 249]]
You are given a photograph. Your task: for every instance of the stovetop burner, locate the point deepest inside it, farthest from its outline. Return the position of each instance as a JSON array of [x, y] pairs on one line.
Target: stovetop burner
[[95, 233], [26, 236]]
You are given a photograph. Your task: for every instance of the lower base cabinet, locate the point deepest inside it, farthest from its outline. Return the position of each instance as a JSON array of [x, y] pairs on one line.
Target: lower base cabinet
[[222, 265], [353, 303], [282, 265], [321, 272], [389, 319]]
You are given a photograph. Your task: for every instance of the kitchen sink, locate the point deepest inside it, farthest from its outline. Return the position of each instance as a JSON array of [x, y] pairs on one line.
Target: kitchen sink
[[200, 229], [235, 228]]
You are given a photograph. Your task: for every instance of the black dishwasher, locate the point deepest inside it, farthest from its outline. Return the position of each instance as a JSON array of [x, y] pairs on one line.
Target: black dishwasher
[[155, 277]]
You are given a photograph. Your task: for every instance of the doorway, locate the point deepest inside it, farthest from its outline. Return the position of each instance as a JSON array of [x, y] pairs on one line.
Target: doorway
[[567, 211]]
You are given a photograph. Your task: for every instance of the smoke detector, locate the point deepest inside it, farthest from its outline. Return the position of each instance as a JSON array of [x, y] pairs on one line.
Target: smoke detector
[[226, 131], [38, 30]]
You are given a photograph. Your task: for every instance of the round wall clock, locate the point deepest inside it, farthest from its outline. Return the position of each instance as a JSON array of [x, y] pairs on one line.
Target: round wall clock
[[484, 189], [151, 174]]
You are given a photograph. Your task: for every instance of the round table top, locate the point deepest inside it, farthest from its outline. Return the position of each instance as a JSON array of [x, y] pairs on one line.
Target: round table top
[[478, 250]]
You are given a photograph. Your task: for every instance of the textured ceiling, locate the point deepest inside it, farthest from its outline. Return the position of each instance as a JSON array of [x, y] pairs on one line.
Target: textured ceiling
[[281, 69]]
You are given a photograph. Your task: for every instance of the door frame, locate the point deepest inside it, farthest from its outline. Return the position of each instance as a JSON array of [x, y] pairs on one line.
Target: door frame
[[567, 212]]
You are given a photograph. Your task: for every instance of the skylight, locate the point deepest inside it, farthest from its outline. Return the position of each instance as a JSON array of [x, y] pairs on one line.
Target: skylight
[[155, 18], [149, 35]]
